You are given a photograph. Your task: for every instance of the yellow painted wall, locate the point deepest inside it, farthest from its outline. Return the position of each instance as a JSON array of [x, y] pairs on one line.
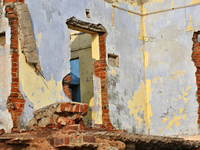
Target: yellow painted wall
[[39, 91]]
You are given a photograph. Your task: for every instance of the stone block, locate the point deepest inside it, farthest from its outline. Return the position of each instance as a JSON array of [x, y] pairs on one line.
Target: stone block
[[23, 14], [21, 7], [27, 31]]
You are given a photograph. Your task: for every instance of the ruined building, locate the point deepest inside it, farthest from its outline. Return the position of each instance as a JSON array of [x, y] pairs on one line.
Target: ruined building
[[118, 64]]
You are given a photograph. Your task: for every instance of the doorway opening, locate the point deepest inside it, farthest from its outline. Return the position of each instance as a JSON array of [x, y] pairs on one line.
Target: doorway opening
[[81, 63], [87, 80]]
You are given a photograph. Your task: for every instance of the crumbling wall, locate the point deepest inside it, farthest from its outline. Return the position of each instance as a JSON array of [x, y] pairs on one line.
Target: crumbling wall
[[5, 69]]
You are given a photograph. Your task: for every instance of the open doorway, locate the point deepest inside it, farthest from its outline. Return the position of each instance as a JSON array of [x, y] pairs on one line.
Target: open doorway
[[82, 68], [88, 70]]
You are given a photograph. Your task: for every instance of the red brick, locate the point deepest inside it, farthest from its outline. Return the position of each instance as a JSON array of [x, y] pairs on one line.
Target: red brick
[[19, 105], [105, 115], [58, 141], [81, 108], [16, 100], [66, 140], [102, 73], [14, 32], [96, 66], [104, 103], [14, 69], [15, 95], [15, 109], [14, 90], [15, 113], [14, 41], [105, 111], [81, 123], [51, 120], [196, 52], [15, 80], [71, 127], [89, 139], [15, 59], [109, 124], [65, 121], [14, 46], [71, 132], [22, 1], [82, 128], [102, 65], [14, 65], [7, 1], [15, 118], [62, 106], [98, 70], [96, 74], [15, 85], [102, 42], [77, 106], [101, 38]]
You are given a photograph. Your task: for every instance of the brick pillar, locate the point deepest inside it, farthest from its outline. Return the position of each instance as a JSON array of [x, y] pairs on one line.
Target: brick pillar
[[15, 103], [100, 71], [196, 59]]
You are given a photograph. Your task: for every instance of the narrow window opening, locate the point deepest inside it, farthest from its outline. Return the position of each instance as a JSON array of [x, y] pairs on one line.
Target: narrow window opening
[[113, 60], [2, 38], [87, 12]]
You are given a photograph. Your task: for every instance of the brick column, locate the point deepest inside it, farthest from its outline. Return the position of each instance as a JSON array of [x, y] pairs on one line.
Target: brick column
[[100, 71], [15, 103]]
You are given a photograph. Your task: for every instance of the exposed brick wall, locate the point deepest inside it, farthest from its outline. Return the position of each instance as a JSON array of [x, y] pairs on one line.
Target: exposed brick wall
[[100, 71], [15, 103], [66, 81], [196, 59]]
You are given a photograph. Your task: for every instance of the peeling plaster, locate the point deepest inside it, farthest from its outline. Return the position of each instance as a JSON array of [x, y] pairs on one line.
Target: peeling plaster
[[39, 37], [41, 92], [172, 5], [189, 27], [140, 104], [175, 120], [194, 2], [6, 122]]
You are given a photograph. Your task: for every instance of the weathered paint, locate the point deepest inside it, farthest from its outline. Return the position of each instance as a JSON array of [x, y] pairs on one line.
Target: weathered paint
[[153, 90], [170, 44], [38, 91], [189, 27], [5, 73]]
